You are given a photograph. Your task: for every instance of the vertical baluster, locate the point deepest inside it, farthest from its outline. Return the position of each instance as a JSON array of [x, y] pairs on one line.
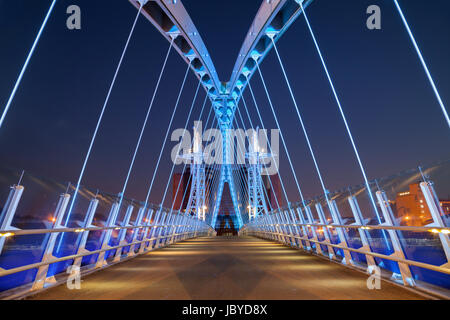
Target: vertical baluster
[[304, 228], [337, 219], [325, 230], [292, 241], [436, 213], [388, 215], [84, 236], [41, 275], [145, 245], [296, 228], [175, 228], [123, 233], [161, 229], [137, 222], [276, 227], [155, 222], [362, 233], [313, 229], [113, 213], [9, 210]]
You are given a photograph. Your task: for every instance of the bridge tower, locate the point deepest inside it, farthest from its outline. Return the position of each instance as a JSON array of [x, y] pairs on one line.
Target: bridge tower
[[257, 202], [196, 203], [225, 109]]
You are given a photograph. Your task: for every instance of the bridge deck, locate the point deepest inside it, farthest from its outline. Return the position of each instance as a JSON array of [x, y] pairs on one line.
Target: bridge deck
[[226, 268]]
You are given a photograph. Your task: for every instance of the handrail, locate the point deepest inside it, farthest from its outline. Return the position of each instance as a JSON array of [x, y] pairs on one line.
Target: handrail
[[21, 232], [373, 254], [367, 227], [4, 272]]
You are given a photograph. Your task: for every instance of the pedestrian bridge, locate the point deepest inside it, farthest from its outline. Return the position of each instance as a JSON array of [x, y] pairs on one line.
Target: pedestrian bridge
[[231, 268], [71, 241]]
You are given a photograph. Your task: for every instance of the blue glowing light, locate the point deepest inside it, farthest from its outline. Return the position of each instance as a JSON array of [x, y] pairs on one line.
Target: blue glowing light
[[30, 54], [422, 60]]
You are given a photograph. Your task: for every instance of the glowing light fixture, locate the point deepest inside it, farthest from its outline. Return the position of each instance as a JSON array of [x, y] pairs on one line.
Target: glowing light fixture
[[7, 234]]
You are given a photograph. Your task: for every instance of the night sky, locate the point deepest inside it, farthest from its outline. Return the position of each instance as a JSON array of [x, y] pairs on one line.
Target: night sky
[[390, 105]]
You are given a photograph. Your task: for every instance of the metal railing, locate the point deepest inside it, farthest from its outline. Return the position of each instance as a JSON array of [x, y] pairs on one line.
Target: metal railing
[[404, 251], [61, 248]]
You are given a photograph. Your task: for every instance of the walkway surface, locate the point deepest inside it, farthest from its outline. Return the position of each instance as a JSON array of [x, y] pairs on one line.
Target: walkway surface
[[226, 268]]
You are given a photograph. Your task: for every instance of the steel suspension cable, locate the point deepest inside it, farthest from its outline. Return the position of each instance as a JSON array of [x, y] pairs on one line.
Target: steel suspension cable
[[238, 173], [185, 164], [319, 174], [167, 133], [145, 123], [281, 133], [83, 168], [262, 124], [267, 172], [424, 64], [27, 61], [241, 177], [179, 146], [342, 114], [213, 167]]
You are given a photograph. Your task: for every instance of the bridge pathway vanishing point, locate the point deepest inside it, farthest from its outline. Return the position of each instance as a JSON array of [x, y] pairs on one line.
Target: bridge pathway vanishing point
[[226, 268]]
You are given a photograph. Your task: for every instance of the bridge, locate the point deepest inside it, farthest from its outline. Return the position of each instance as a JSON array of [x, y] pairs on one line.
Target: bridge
[[232, 230]]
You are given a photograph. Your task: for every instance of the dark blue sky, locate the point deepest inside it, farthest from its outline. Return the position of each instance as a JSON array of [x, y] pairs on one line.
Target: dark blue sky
[[391, 108]]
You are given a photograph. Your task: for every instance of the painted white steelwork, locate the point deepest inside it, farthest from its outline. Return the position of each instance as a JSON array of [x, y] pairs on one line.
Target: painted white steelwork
[[257, 203]]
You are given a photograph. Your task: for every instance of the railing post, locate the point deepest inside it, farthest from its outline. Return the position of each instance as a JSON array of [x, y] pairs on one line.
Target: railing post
[[165, 230], [113, 213], [9, 211], [436, 213], [160, 229], [123, 233], [41, 275], [84, 236], [144, 246], [295, 227], [189, 227], [362, 234], [288, 228], [272, 224], [182, 226], [193, 226], [398, 250], [179, 227], [279, 227], [325, 230], [169, 232], [137, 222], [154, 230], [337, 219], [304, 228], [282, 227], [309, 216], [175, 228]]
